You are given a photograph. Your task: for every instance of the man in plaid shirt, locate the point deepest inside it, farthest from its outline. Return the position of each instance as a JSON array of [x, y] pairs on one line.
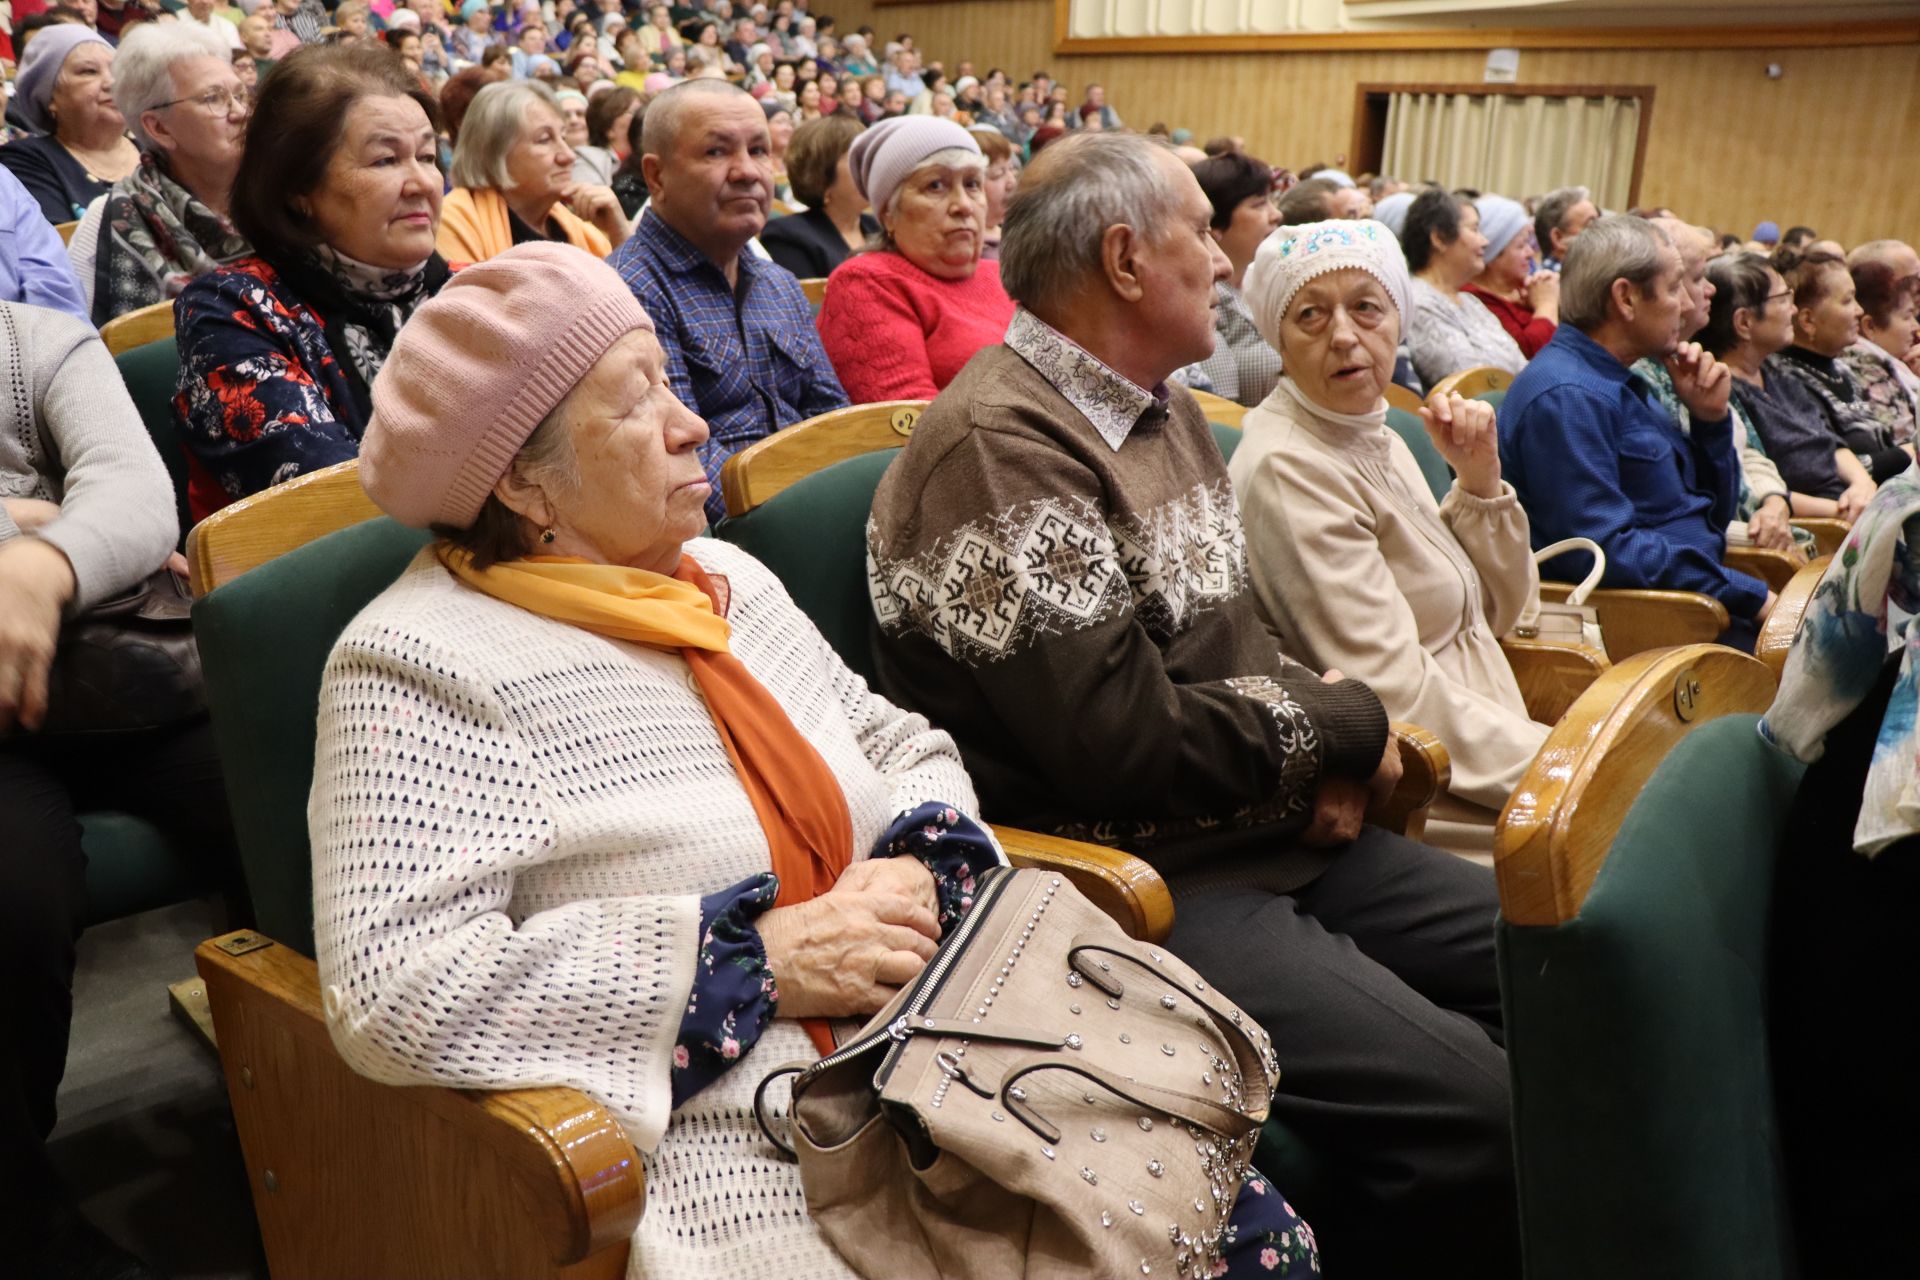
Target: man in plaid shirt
[[741, 348]]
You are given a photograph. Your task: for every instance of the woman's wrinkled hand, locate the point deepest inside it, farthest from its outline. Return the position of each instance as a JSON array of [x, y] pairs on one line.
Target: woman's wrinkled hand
[[36, 581], [1466, 434], [1854, 499], [848, 951], [1769, 526]]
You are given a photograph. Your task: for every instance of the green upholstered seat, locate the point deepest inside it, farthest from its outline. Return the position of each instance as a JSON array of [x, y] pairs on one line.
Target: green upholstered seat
[[1228, 438], [150, 372], [264, 639], [132, 867], [1408, 427], [1637, 1035], [813, 535]]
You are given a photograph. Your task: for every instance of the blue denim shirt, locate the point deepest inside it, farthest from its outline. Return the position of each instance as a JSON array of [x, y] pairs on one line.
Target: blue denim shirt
[[33, 263], [746, 358], [1592, 454]]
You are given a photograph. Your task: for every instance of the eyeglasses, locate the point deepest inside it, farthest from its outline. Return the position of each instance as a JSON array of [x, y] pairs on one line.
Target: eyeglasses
[[220, 102]]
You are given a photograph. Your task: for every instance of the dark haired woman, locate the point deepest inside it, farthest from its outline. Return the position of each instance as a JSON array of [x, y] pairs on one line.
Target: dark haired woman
[[1242, 367], [1450, 330], [339, 193], [1826, 321]]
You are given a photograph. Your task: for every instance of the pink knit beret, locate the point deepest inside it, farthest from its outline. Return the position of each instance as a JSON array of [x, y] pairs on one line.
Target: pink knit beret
[[476, 368], [882, 157]]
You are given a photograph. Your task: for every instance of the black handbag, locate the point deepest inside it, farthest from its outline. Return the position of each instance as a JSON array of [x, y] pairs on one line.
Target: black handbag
[[127, 665]]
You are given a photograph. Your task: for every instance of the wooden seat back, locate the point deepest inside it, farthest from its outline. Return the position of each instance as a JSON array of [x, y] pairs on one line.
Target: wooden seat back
[[1633, 621], [1399, 397], [1469, 383], [66, 230], [274, 521], [1782, 626], [138, 328], [1560, 821], [766, 467], [815, 287], [1227, 413]]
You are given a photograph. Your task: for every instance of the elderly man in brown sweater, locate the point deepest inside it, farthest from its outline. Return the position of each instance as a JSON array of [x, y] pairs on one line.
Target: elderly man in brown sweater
[[1060, 580]]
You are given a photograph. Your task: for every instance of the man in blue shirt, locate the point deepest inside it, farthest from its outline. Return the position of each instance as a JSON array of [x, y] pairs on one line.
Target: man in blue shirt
[[738, 332], [33, 263], [1591, 452]]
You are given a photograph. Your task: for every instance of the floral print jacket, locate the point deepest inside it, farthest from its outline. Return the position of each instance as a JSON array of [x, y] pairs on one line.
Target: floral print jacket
[[261, 398]]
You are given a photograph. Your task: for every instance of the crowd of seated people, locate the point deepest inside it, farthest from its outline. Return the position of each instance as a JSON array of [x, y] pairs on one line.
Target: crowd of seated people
[[369, 224]]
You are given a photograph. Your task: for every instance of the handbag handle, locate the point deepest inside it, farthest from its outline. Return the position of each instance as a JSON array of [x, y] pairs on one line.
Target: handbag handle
[[785, 1149], [1229, 1026], [1578, 596], [1198, 1112]]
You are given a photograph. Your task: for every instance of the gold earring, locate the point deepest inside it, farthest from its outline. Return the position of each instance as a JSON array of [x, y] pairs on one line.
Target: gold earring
[[546, 534]]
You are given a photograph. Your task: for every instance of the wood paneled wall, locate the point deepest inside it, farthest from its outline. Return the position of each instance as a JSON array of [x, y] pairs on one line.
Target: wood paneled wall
[[1829, 144]]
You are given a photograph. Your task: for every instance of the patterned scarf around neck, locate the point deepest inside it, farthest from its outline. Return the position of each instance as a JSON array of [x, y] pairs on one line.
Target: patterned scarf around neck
[[1862, 616], [362, 308], [156, 237]]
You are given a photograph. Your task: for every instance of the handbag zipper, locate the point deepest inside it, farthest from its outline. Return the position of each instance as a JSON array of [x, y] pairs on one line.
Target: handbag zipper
[[926, 986]]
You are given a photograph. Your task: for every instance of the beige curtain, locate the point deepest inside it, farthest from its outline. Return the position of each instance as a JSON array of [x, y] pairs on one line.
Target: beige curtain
[[1515, 146]]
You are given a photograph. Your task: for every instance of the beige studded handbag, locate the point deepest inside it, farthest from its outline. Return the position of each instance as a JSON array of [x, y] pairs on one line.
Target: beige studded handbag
[[1049, 1099]]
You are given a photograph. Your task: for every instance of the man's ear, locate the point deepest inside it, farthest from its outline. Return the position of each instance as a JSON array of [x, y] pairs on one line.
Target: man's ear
[[1119, 260], [650, 174], [1626, 298]]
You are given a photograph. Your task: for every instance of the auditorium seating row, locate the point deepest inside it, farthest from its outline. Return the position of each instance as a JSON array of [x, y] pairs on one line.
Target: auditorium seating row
[[1631, 941]]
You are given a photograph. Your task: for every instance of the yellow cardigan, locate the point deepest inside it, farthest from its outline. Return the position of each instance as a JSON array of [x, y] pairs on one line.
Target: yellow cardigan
[[474, 227]]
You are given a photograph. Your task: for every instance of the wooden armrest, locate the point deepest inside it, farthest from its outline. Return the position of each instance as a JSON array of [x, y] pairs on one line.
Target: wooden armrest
[[354, 1177], [1828, 532], [1425, 771], [1634, 620], [1775, 568], [1783, 624], [1551, 676], [1120, 884]]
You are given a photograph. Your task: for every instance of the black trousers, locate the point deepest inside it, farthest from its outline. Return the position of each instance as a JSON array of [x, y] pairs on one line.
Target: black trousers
[[1378, 984], [171, 778], [1845, 956]]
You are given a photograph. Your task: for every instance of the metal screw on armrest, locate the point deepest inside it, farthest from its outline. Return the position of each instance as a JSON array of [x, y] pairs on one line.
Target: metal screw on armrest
[[272, 1180], [246, 1077]]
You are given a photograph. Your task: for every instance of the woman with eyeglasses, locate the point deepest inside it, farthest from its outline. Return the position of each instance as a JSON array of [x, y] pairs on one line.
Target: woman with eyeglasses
[[166, 223], [79, 146], [1749, 322]]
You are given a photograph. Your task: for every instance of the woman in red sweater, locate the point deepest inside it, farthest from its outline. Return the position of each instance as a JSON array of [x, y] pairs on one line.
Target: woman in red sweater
[[900, 321], [1525, 301]]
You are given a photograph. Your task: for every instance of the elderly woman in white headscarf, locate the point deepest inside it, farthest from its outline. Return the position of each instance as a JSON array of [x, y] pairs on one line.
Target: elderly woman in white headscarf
[[1355, 565]]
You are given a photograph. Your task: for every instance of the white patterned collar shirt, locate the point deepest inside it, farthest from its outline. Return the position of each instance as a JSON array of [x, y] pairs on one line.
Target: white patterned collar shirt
[[1112, 402]]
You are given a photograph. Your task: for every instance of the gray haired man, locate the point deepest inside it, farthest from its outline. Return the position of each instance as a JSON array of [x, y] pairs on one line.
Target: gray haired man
[[1558, 220], [1060, 579]]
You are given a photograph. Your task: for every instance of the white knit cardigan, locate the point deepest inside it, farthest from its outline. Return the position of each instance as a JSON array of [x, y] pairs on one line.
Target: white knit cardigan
[[513, 822]]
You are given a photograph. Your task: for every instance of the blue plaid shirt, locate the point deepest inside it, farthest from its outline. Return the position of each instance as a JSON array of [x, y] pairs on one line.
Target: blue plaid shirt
[[746, 359]]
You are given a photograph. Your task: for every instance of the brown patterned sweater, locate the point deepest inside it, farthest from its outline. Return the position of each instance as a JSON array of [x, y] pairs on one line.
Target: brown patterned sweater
[[1077, 616]]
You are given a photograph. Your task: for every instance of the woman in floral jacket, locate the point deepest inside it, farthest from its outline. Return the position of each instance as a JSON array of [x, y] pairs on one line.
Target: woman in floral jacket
[[339, 193]]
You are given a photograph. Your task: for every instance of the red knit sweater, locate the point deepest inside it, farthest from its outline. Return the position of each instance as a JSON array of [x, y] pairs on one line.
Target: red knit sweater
[[1530, 331], [894, 332]]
